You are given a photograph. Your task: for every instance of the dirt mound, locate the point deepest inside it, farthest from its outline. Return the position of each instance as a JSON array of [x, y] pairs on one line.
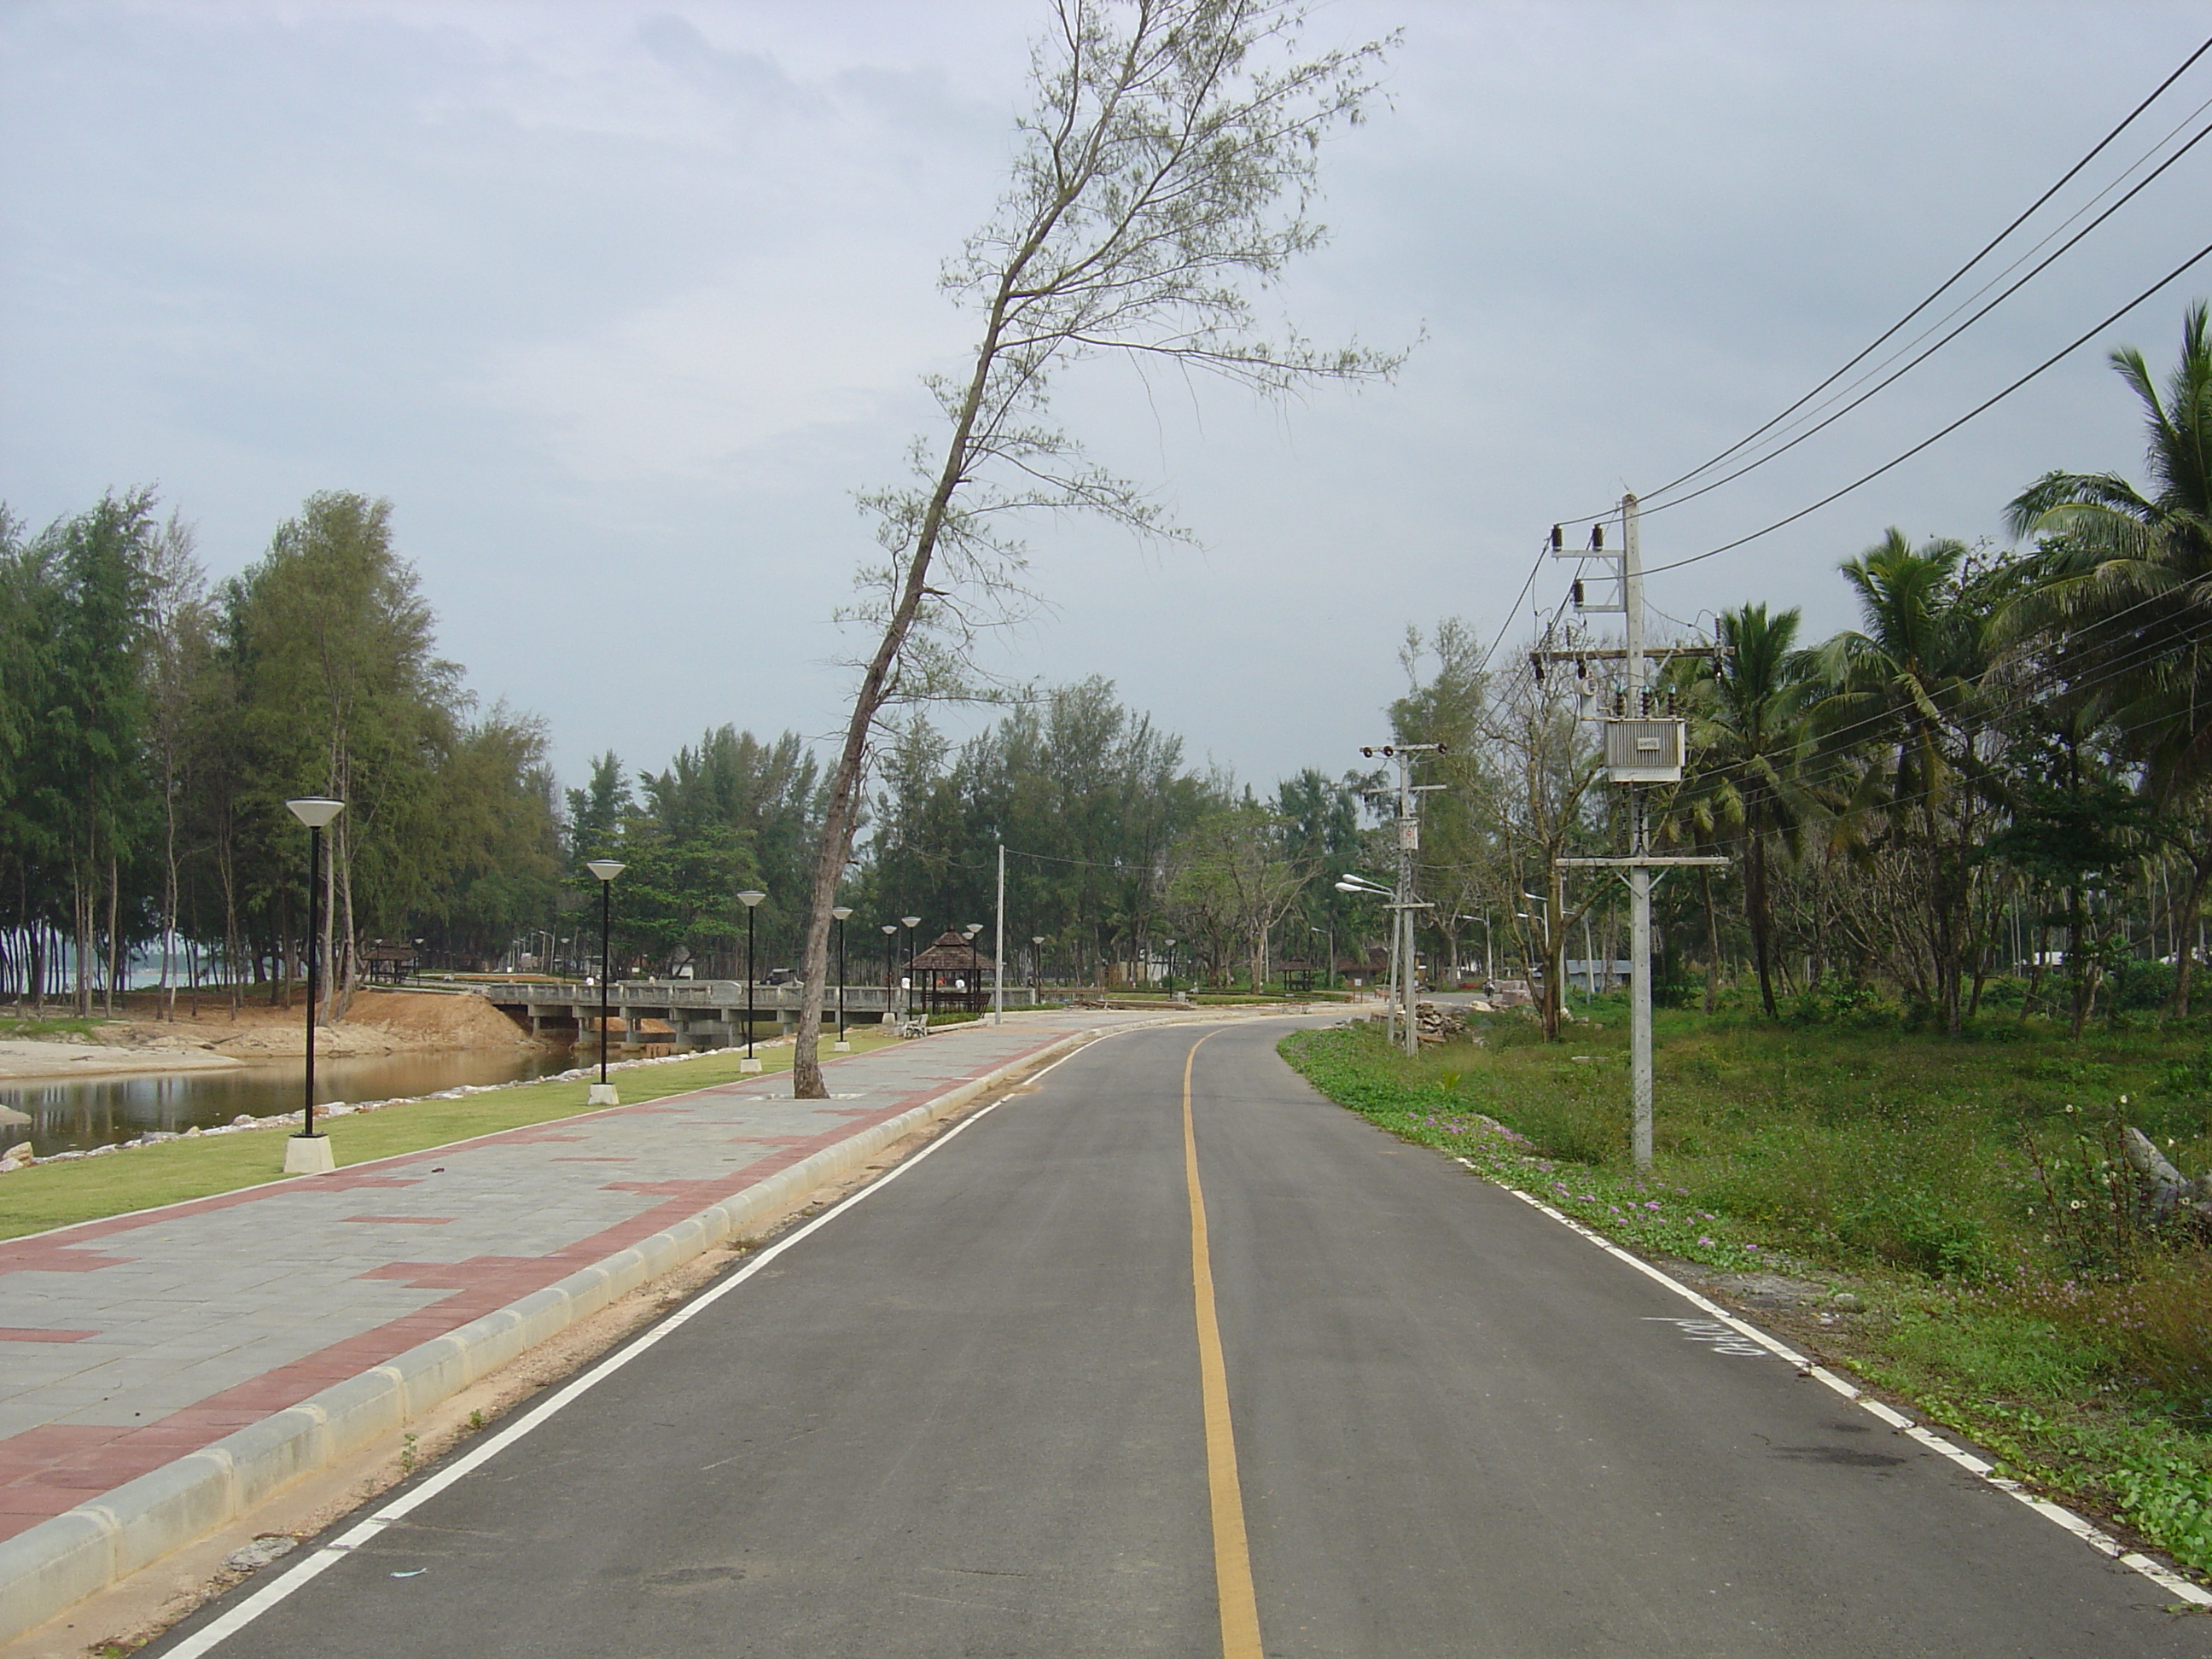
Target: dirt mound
[[341, 1042], [377, 1023], [437, 1021]]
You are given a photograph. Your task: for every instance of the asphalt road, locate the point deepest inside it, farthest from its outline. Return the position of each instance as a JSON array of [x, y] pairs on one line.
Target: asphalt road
[[968, 1417]]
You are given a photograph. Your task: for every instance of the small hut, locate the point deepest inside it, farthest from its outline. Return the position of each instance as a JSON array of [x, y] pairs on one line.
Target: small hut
[[390, 963], [949, 974]]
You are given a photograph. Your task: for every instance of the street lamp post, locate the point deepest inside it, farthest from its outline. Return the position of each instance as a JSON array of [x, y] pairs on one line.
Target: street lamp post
[[1328, 973], [1485, 921], [1402, 966], [1170, 944], [841, 912], [906, 980], [602, 1093], [890, 972], [1036, 969], [750, 900], [308, 1153]]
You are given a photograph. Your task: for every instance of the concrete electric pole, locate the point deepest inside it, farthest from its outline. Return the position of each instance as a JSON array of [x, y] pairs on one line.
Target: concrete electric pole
[[1640, 751], [1403, 904]]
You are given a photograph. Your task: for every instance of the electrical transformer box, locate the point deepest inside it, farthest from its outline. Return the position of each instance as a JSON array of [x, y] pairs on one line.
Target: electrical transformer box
[[1645, 750]]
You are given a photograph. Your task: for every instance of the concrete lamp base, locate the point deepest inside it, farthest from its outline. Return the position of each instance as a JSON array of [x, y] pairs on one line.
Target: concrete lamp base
[[602, 1094], [749, 1064], [308, 1155], [841, 1047]]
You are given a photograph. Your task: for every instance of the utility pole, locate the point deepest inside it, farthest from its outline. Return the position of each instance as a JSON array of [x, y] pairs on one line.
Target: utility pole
[[1403, 904], [1639, 750], [998, 973], [1639, 847]]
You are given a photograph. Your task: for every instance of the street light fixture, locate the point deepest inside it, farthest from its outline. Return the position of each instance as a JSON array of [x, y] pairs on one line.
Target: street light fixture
[[1037, 968], [1402, 952], [973, 991], [1170, 944], [308, 1153], [750, 900], [841, 912], [906, 980], [891, 971], [602, 1093]]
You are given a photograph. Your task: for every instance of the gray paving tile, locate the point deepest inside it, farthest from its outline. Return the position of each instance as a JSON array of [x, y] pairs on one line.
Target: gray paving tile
[[188, 1306]]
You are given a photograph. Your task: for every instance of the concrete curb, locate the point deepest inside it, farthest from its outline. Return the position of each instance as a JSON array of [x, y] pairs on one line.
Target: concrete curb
[[58, 1563]]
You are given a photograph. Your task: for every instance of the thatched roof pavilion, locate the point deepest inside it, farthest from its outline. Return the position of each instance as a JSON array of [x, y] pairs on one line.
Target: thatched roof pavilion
[[952, 953]]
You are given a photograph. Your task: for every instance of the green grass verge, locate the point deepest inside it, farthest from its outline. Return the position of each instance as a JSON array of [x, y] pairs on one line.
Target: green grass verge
[[200, 1166], [1920, 1171], [45, 1030]]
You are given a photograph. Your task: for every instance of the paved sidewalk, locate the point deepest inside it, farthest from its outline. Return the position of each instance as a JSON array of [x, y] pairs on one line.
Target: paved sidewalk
[[127, 1343]]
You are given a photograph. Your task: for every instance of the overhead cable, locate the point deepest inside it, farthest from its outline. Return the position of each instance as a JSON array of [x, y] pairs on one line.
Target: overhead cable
[[1935, 294], [1988, 404]]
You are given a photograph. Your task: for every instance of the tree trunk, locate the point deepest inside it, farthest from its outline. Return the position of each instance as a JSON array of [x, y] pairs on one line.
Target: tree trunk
[[116, 956], [1712, 945], [81, 919], [234, 946], [1759, 915], [341, 962], [2077, 966], [2184, 948]]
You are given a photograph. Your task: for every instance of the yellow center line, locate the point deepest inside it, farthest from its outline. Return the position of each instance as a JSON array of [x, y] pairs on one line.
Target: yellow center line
[[1232, 1553]]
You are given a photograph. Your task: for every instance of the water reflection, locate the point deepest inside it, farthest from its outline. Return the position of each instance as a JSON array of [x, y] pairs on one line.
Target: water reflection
[[76, 1113]]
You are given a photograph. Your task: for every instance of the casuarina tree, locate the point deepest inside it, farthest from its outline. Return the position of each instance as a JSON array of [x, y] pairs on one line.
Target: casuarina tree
[[1161, 173]]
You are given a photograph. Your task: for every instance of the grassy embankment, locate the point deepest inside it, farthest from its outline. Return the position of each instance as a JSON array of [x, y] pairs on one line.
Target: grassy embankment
[[198, 1166], [27, 1029], [1965, 1190]]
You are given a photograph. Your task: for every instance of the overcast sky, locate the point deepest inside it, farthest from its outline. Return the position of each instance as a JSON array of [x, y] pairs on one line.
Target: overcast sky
[[619, 304]]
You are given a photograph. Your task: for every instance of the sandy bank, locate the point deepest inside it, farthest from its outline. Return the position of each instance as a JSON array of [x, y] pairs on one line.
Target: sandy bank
[[379, 1022], [52, 1059]]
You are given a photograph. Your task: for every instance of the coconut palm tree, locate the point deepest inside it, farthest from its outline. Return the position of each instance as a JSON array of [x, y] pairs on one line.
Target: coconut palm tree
[[2121, 616], [2125, 595], [1906, 691], [1760, 692]]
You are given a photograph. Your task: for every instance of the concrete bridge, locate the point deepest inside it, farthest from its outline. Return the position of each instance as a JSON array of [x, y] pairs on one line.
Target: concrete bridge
[[700, 1012]]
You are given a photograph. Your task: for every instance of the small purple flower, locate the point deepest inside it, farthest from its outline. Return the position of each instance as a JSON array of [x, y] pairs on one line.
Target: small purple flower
[[1651, 1204], [1707, 1242]]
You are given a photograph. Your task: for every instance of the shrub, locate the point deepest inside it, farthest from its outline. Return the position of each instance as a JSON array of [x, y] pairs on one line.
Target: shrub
[[2094, 1215], [1882, 1192], [2141, 987], [1836, 1002], [2160, 1325], [1573, 1127]]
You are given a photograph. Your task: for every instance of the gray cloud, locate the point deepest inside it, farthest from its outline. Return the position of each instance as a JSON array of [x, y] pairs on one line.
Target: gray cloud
[[619, 304]]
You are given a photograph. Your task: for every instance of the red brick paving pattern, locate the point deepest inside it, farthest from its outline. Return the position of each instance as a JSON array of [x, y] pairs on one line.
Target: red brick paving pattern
[[51, 1469]]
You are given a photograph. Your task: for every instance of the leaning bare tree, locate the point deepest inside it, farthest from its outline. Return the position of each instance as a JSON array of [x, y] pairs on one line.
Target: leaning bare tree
[[1164, 172]]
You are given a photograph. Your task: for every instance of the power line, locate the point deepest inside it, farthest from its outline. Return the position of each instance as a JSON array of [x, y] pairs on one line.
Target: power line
[[2049, 237], [1884, 384], [2079, 341], [1941, 288], [1512, 609]]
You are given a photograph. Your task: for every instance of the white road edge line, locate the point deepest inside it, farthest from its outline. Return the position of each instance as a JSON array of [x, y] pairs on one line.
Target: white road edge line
[[2098, 1540], [222, 1630]]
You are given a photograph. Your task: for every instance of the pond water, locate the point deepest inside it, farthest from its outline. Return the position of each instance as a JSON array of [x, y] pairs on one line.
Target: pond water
[[78, 1113]]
